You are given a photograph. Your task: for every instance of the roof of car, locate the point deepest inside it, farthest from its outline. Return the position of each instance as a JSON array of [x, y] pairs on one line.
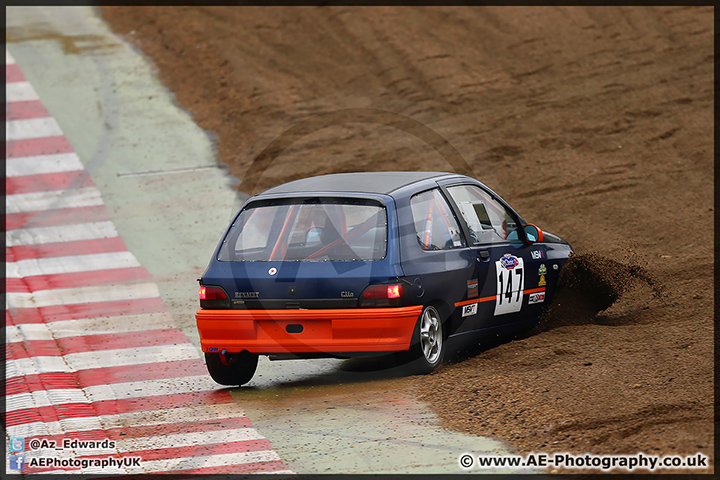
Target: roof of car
[[359, 182]]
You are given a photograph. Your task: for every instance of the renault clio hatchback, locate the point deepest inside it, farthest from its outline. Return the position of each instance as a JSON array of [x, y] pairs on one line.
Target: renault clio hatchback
[[359, 264]]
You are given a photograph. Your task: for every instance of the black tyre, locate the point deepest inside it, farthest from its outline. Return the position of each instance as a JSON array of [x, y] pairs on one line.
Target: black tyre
[[427, 349], [239, 370]]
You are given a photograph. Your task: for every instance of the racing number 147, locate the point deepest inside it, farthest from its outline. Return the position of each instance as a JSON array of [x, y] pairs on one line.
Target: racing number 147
[[508, 291], [510, 288]]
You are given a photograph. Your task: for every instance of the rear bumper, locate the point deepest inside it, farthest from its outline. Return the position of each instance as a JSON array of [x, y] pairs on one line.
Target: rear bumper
[[323, 330]]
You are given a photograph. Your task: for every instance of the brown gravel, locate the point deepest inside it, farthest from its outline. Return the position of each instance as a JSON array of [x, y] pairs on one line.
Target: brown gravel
[[596, 123]]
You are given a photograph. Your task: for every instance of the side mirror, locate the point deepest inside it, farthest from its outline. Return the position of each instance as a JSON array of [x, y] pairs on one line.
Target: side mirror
[[533, 234]]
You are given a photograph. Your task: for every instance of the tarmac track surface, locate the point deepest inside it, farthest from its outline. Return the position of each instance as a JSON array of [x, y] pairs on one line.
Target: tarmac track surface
[[92, 352]]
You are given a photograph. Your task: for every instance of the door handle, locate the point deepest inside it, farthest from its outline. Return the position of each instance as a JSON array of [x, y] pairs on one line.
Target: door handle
[[483, 255]]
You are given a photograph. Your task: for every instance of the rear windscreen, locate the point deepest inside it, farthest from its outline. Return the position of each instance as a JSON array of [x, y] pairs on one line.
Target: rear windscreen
[[309, 230]]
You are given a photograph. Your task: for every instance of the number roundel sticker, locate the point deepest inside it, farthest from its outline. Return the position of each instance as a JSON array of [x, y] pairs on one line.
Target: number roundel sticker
[[510, 280]]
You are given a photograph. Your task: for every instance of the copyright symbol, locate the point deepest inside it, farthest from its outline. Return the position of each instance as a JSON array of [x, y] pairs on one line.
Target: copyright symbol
[[34, 444], [466, 461]]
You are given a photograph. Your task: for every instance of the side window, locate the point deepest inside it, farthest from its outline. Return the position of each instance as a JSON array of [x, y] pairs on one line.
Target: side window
[[488, 220], [435, 225]]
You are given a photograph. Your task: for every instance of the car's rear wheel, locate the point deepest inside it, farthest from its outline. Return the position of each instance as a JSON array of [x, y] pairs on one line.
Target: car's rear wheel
[[427, 348], [238, 368]]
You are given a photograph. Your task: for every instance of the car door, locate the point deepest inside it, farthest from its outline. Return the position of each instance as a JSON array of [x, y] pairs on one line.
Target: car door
[[506, 266], [435, 257]]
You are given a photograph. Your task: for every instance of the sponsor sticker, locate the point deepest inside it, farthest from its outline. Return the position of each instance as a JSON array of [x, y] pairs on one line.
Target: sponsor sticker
[[472, 286], [536, 298], [542, 270], [272, 271], [508, 261], [542, 281], [469, 310]]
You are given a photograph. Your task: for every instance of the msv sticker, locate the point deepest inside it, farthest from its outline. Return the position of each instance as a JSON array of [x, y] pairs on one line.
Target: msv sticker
[[537, 254], [469, 310], [510, 282]]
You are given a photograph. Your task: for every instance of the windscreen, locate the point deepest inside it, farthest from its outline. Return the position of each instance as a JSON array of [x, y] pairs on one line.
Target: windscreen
[[309, 230]]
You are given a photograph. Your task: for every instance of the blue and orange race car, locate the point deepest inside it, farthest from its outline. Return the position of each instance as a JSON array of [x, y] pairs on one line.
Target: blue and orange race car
[[358, 264]]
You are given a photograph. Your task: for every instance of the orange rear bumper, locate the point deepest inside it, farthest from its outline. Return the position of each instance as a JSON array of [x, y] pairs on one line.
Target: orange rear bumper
[[323, 330]]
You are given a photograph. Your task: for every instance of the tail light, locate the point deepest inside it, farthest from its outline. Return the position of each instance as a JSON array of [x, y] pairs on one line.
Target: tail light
[[212, 293], [213, 297], [383, 296]]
